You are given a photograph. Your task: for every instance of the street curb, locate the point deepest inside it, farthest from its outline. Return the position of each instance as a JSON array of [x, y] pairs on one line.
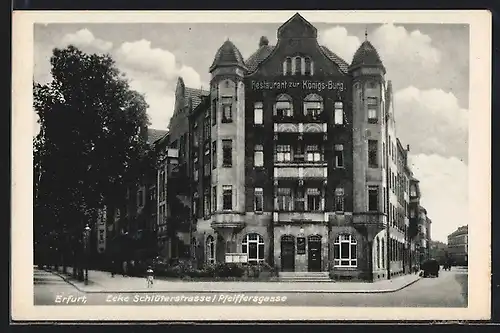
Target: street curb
[[365, 291]]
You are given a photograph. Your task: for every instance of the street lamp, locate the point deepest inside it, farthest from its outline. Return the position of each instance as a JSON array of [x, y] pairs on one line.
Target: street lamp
[[86, 236]]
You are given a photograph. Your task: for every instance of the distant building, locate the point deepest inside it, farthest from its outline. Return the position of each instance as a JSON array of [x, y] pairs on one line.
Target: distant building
[[458, 246]]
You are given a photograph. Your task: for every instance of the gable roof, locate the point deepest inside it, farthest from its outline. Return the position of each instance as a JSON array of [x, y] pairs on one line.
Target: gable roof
[[195, 95], [265, 51], [155, 135]]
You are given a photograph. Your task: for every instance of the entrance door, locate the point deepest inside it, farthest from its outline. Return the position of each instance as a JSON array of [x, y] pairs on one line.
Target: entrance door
[[314, 258], [287, 253]]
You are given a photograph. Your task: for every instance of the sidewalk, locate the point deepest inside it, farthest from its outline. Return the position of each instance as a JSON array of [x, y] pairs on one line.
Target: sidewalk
[[102, 282]]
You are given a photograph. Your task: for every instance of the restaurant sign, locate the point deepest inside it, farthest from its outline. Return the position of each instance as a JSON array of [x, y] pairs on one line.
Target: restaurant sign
[[304, 85]]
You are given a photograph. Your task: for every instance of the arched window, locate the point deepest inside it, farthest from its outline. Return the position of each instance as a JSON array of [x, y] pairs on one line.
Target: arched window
[[308, 66], [313, 105], [378, 252], [345, 251], [253, 246], [298, 65], [210, 250], [383, 253], [287, 66], [283, 107]]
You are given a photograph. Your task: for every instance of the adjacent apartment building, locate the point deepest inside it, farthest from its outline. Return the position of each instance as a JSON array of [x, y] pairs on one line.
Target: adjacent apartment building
[[458, 245], [292, 159]]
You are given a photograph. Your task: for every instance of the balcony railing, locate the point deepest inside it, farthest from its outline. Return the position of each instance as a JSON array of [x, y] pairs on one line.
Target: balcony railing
[[300, 128], [302, 172]]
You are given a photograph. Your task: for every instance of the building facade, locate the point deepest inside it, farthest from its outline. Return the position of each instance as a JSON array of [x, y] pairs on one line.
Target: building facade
[[458, 246], [294, 161]]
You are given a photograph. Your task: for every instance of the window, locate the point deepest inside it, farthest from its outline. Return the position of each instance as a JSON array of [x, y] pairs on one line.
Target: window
[[339, 156], [283, 107], [313, 199], [253, 246], [284, 199], [227, 109], [206, 129], [308, 70], [383, 253], [372, 104], [210, 250], [372, 153], [339, 199], [227, 197], [140, 198], [206, 203], [345, 251], [298, 65], [287, 66], [313, 153], [258, 113], [373, 198], [227, 153], [259, 199], [259, 156], [283, 153], [413, 191], [214, 112], [339, 113], [378, 252], [313, 105], [214, 154], [214, 198], [299, 203]]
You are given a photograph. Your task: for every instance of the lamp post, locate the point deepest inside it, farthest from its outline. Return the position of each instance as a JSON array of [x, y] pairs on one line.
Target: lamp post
[[86, 236]]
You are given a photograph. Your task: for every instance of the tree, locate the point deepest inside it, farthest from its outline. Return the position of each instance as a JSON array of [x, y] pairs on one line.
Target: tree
[[91, 144]]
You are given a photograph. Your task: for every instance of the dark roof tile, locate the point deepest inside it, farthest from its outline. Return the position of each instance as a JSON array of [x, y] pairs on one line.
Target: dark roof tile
[[155, 135]]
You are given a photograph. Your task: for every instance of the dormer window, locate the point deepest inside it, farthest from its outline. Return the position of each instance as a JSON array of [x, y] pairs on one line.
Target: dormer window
[[308, 71], [287, 66], [298, 65]]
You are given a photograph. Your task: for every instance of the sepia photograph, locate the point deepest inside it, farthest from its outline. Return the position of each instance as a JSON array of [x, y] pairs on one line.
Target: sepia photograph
[[251, 165]]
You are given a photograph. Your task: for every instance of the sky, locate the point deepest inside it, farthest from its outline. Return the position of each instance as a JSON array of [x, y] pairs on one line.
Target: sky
[[428, 65]]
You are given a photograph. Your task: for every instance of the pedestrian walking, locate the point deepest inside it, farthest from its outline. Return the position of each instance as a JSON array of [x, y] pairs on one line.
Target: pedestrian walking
[[150, 276]]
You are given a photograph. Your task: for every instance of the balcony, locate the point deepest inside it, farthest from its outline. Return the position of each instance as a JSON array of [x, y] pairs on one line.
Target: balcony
[[299, 217], [224, 220], [285, 170], [300, 128]]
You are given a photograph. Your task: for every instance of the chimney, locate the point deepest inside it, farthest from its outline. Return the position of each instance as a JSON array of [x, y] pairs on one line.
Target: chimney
[[263, 41]]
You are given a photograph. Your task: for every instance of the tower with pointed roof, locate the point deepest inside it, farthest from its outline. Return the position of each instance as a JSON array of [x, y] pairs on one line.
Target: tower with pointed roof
[[227, 145], [369, 144]]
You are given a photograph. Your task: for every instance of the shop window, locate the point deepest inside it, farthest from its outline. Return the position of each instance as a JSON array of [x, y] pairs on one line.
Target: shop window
[[253, 246]]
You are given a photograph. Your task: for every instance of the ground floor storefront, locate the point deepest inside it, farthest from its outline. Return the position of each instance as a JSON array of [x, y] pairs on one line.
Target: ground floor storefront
[[344, 251]]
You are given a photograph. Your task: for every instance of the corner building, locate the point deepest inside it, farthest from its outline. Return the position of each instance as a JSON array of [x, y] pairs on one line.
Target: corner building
[[290, 156]]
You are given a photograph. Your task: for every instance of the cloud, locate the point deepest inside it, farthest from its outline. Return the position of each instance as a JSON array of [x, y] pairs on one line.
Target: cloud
[[151, 71], [431, 121], [397, 45], [339, 41], [140, 56], [85, 39], [409, 56], [444, 186]]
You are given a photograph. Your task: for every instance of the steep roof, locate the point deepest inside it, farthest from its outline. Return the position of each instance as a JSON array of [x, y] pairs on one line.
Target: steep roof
[[155, 135], [227, 55], [195, 95], [366, 55], [265, 50]]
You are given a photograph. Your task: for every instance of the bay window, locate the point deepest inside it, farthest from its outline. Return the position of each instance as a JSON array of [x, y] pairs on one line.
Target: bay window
[[227, 109]]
